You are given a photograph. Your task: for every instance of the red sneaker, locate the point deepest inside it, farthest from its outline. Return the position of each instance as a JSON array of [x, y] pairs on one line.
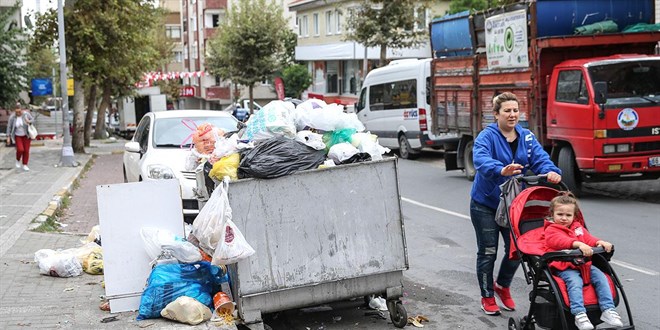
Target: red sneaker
[[489, 306], [505, 296]]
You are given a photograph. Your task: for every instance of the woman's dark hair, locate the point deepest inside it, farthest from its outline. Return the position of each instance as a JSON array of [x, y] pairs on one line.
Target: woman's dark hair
[[499, 99], [564, 198]]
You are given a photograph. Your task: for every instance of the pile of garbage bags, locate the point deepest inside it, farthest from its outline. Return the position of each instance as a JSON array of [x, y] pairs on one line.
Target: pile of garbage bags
[[283, 138], [72, 262]]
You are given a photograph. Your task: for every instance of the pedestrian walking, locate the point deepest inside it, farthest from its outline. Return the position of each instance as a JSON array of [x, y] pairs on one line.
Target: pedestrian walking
[[501, 150], [17, 132]]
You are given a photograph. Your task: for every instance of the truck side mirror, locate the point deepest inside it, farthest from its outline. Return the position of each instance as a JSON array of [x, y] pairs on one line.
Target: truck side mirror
[[600, 97], [600, 91]]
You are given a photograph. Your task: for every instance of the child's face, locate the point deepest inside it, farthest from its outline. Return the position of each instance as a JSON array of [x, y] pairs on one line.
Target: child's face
[[563, 214]]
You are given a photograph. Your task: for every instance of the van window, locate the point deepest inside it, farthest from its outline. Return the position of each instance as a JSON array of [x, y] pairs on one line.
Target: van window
[[393, 95], [362, 100]]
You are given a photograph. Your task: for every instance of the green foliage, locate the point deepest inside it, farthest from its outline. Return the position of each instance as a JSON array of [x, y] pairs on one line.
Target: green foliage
[[456, 6], [13, 75], [247, 46], [386, 24], [290, 43], [296, 80]]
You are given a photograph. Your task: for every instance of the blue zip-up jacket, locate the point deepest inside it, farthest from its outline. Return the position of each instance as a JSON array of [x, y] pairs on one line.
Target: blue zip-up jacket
[[491, 153]]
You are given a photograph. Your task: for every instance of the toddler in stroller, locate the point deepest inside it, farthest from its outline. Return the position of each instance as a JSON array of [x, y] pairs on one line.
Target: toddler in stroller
[[567, 266]]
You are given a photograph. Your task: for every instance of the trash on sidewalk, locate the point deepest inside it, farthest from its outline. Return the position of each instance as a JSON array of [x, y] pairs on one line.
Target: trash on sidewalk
[[378, 303], [110, 319], [417, 320], [105, 306], [57, 264], [186, 310]]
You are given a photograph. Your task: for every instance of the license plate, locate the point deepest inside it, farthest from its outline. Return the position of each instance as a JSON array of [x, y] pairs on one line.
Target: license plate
[[654, 161]]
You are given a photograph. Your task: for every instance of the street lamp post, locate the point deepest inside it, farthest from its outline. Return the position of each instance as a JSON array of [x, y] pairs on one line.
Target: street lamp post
[[67, 158]]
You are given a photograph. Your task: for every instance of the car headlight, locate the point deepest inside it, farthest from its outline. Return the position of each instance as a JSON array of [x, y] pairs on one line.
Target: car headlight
[[158, 171]]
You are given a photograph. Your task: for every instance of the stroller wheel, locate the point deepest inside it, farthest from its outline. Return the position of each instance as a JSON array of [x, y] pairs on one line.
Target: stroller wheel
[[526, 324], [513, 324]]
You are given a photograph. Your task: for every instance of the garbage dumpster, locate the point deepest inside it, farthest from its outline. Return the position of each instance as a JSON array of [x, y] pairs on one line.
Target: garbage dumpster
[[320, 236]]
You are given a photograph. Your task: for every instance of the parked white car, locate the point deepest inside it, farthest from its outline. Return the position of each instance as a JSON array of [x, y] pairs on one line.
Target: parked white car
[[160, 146]]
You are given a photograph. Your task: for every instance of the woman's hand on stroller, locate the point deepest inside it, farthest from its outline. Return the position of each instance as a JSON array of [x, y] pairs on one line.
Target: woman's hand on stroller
[[553, 177]]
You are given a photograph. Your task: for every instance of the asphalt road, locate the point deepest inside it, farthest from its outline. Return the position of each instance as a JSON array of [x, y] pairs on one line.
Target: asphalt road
[[441, 283]]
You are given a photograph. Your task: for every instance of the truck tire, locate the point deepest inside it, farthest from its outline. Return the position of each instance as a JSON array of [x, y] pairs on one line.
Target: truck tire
[[468, 162], [569, 173], [405, 151]]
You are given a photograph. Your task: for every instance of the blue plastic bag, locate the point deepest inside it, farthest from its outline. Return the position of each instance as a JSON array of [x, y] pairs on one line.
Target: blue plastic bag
[[170, 281]]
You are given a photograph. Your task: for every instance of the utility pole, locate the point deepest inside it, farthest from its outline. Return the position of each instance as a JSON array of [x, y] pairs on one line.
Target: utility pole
[[67, 159]]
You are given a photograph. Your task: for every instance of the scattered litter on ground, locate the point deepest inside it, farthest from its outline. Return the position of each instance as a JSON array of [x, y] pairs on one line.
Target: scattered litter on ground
[[316, 309], [109, 319], [336, 319], [105, 306], [68, 289], [417, 320], [145, 325]]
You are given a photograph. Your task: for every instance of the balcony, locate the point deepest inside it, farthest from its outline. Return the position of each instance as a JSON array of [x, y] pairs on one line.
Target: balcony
[[217, 93], [216, 4]]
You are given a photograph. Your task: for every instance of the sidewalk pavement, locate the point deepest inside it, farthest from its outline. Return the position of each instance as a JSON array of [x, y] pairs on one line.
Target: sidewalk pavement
[[31, 300]]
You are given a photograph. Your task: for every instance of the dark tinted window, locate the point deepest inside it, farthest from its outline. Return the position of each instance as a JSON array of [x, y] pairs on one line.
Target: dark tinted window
[[570, 86]]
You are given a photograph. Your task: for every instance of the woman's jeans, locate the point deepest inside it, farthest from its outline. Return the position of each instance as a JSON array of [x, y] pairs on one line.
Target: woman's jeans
[[488, 232], [574, 286]]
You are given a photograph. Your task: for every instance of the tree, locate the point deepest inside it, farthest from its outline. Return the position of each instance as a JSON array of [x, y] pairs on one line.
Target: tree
[[387, 23], [457, 6], [13, 75], [248, 44], [110, 44], [296, 80]]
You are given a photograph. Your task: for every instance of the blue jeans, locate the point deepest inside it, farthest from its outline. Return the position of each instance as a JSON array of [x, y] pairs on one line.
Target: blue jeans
[[574, 285], [488, 232]]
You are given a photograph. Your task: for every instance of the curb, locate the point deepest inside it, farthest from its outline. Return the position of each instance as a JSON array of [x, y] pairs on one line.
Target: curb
[[56, 202]]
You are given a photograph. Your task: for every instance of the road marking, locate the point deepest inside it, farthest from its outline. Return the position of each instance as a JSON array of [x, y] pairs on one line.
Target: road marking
[[463, 216], [435, 208], [635, 268]]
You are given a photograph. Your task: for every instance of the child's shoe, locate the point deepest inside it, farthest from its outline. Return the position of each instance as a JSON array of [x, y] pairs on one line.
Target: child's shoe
[[582, 322], [505, 296], [489, 306], [611, 317]]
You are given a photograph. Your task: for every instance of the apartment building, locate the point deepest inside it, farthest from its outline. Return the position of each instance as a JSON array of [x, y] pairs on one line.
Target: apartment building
[[336, 65], [199, 22]]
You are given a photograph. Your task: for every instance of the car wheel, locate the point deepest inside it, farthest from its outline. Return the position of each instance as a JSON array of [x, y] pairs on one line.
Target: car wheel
[[468, 161], [405, 151]]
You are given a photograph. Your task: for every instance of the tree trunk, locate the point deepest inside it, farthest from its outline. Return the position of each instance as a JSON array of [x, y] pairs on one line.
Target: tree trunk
[[383, 56], [78, 141], [89, 114], [100, 132], [251, 99]]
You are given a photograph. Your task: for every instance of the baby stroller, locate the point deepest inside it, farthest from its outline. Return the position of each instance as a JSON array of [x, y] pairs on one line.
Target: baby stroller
[[549, 306]]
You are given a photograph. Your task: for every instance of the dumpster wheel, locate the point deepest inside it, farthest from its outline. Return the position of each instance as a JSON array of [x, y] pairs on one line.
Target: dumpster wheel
[[398, 313]]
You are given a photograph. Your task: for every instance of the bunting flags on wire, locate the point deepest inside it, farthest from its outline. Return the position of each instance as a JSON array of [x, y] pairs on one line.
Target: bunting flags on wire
[[150, 77]]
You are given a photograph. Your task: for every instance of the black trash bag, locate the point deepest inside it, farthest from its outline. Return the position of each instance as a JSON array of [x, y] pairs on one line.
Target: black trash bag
[[208, 182], [357, 158], [277, 157]]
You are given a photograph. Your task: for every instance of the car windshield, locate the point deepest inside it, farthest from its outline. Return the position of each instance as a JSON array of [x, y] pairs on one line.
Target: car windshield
[[629, 81], [171, 132]]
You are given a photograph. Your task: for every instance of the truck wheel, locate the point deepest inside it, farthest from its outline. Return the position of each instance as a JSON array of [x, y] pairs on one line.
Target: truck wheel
[[570, 175], [468, 162], [405, 151]]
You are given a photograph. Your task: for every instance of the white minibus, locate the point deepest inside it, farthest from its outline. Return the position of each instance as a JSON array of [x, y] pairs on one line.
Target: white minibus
[[395, 104]]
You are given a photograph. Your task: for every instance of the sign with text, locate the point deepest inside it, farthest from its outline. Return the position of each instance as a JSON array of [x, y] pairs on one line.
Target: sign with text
[[69, 87], [506, 40], [187, 91], [42, 87]]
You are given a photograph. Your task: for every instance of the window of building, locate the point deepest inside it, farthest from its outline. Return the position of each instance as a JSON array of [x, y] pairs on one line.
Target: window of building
[[328, 22], [422, 18], [173, 31], [299, 24], [570, 86], [215, 20], [305, 27], [195, 50], [332, 76], [193, 23], [218, 80], [338, 22], [350, 77], [315, 23], [185, 52], [178, 56]]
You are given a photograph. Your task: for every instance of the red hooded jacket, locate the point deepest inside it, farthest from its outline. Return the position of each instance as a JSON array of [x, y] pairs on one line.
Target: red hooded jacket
[[558, 237]]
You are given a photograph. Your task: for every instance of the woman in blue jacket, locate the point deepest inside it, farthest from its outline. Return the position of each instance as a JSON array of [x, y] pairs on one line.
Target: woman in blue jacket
[[501, 150]]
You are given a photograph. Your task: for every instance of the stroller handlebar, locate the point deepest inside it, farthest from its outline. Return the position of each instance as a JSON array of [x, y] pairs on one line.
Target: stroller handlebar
[[536, 179]]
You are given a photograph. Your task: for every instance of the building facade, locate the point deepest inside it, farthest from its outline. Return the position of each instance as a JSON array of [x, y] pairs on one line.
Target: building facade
[[337, 65]]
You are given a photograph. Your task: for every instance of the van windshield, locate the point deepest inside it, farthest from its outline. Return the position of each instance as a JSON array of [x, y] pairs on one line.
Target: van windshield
[[629, 82]]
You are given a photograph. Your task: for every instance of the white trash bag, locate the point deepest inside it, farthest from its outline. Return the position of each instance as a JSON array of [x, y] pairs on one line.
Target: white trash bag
[[208, 225], [57, 264]]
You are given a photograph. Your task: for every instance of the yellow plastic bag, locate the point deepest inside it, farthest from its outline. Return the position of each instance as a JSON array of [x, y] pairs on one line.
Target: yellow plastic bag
[[226, 166], [93, 264]]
